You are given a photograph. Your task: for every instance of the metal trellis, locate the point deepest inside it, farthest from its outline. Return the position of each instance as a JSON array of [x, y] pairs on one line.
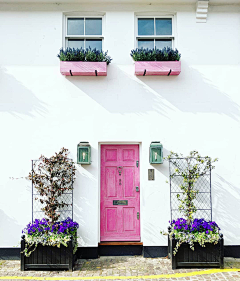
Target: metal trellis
[[67, 197], [203, 201]]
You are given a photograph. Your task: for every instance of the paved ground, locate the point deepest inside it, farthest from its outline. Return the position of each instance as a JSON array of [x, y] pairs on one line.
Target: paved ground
[[122, 266]]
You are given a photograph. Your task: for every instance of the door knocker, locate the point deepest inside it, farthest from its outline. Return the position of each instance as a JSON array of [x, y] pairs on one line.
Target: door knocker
[[119, 168]]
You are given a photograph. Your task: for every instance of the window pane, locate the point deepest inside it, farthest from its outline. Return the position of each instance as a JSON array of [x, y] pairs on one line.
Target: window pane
[[93, 26], [146, 44], [163, 26], [160, 44], [94, 43], [75, 26], [145, 26], [73, 43]]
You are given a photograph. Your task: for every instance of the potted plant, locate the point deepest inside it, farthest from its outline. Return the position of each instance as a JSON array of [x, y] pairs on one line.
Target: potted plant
[[156, 61], [50, 243], [191, 241], [80, 62]]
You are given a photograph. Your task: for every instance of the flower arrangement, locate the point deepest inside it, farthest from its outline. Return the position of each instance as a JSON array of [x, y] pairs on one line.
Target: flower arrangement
[[199, 230], [193, 168], [47, 234], [165, 54], [72, 54], [190, 229]]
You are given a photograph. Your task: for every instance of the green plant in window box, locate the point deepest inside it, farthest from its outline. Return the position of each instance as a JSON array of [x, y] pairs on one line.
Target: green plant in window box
[[165, 54], [94, 55]]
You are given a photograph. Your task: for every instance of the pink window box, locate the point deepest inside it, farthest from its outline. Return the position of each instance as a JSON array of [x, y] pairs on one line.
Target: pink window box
[[157, 68], [83, 68]]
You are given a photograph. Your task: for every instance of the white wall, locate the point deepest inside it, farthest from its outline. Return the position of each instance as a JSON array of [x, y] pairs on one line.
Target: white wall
[[42, 111]]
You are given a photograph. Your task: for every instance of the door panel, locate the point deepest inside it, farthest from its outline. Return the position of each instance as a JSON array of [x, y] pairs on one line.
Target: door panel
[[128, 182], [128, 154], [111, 219], [111, 181], [128, 219], [110, 155], [119, 178]]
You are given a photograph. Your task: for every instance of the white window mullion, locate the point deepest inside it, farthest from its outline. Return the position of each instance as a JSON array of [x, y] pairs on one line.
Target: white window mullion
[[84, 24], [154, 27]]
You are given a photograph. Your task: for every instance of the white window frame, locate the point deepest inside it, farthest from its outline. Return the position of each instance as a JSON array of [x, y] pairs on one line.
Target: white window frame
[[172, 37], [84, 37]]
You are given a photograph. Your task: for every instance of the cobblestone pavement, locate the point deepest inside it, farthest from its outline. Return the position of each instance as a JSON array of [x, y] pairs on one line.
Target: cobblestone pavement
[[121, 266]]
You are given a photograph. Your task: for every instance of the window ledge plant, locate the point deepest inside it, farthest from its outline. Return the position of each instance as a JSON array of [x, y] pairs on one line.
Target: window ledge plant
[[156, 62], [80, 62]]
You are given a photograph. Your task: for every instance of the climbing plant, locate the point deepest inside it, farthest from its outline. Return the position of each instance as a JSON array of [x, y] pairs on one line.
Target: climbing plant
[[52, 177], [194, 166]]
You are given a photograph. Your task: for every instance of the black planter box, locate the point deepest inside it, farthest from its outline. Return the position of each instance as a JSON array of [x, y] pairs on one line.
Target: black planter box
[[48, 257], [209, 256]]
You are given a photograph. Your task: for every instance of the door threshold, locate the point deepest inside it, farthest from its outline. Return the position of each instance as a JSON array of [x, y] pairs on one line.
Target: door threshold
[[112, 243]]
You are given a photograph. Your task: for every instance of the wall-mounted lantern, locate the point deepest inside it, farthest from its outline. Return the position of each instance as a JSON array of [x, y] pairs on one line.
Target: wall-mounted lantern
[[84, 153], [156, 153]]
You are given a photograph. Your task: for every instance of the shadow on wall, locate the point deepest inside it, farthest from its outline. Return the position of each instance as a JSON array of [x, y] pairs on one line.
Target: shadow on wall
[[227, 208], [17, 99], [7, 236], [192, 92], [120, 93], [85, 209], [188, 92]]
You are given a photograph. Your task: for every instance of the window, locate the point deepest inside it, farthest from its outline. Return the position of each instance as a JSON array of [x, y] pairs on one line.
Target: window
[[154, 32], [84, 32]]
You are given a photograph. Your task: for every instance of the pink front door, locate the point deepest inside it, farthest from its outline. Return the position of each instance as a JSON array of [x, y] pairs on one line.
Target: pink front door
[[120, 193]]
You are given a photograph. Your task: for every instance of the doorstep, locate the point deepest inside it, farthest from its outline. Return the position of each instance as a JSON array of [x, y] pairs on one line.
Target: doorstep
[[116, 248], [112, 243]]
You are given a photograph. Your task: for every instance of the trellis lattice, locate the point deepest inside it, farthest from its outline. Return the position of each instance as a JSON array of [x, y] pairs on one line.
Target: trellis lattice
[[65, 212], [203, 201]]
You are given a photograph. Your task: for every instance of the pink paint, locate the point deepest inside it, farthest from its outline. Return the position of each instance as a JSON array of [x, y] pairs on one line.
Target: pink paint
[[119, 222], [157, 67], [83, 68]]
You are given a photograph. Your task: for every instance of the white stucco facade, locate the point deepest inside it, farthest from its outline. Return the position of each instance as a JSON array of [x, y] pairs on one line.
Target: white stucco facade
[[42, 111]]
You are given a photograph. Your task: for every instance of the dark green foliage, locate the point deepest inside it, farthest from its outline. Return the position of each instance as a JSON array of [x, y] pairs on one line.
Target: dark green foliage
[[166, 54], [71, 54]]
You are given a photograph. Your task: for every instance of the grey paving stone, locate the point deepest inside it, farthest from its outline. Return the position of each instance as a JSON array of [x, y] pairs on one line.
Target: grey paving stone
[[122, 266]]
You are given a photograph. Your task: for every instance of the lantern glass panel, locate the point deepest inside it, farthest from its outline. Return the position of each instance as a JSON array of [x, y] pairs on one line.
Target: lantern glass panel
[[83, 155], [156, 155]]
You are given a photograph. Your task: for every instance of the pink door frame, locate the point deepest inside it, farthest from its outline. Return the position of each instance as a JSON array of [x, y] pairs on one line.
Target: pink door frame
[[119, 222]]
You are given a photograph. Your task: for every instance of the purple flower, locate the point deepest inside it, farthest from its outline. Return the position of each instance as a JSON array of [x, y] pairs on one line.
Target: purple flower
[[39, 227], [196, 226]]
